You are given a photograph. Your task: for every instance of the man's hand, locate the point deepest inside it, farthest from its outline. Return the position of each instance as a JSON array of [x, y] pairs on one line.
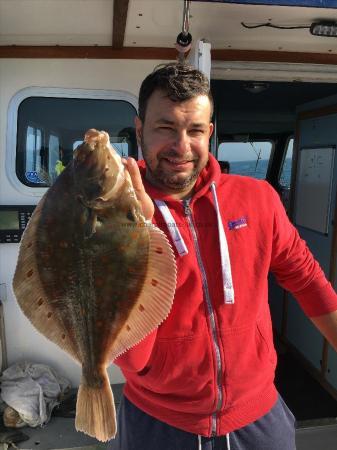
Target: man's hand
[[143, 198]]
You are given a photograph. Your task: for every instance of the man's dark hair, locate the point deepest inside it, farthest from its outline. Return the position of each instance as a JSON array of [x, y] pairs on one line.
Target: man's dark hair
[[179, 81]]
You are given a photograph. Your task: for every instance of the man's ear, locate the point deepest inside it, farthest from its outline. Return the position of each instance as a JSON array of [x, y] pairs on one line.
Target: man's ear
[[139, 130], [211, 129]]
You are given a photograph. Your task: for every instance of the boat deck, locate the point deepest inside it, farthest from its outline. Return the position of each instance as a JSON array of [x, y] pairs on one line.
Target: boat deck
[[314, 409]]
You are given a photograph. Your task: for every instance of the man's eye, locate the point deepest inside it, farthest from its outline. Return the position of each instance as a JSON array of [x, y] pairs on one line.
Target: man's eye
[[165, 129]]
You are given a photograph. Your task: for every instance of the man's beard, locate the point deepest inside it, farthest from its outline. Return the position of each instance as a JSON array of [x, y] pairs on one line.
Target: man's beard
[[172, 181]]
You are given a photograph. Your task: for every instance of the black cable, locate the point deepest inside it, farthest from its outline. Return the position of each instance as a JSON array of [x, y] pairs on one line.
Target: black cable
[[273, 26]]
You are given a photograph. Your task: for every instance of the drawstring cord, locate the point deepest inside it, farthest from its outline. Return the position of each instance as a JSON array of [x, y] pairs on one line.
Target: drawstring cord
[[180, 245], [172, 228], [225, 261]]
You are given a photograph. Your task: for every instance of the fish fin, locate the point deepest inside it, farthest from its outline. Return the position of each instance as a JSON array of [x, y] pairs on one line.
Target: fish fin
[[156, 298], [95, 410], [30, 294]]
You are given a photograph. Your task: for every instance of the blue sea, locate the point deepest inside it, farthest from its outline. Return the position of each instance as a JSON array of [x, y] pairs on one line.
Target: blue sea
[[258, 169]]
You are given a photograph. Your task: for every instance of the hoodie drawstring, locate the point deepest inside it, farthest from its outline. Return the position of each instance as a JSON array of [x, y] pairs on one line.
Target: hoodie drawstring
[[182, 249], [172, 227], [225, 261]]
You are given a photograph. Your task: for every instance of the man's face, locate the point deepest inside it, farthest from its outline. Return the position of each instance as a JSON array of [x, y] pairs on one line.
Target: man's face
[[174, 139]]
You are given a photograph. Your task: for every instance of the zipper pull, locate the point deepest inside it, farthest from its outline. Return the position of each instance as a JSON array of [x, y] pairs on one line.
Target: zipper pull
[[187, 209]]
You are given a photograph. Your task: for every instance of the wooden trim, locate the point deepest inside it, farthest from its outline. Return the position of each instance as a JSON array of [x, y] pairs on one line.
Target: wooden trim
[[165, 53], [325, 357], [271, 56], [319, 112], [93, 52], [120, 12], [327, 110], [333, 257]]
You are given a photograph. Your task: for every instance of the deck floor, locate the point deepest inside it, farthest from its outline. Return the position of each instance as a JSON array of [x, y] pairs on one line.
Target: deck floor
[[312, 406]]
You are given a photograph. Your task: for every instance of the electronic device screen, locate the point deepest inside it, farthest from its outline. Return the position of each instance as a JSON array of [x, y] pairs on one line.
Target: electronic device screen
[[9, 220]]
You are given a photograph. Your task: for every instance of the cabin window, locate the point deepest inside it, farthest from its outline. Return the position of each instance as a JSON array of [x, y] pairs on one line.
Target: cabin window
[[50, 128], [285, 173], [246, 158]]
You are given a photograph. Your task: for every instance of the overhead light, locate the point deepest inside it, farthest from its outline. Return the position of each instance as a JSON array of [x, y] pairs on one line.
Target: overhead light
[[324, 28], [255, 87]]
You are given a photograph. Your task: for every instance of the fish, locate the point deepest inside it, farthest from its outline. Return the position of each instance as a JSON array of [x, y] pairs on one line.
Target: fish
[[93, 275]]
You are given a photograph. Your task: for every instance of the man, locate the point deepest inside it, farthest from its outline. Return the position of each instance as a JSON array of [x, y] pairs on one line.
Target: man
[[224, 166], [204, 378]]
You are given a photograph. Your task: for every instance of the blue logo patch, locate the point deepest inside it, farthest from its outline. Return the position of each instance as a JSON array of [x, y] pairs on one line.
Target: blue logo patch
[[238, 223]]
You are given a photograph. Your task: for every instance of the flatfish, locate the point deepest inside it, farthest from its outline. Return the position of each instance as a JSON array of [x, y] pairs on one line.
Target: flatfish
[[92, 275]]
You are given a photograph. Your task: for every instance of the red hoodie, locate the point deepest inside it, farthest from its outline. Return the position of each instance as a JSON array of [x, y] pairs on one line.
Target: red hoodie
[[209, 367]]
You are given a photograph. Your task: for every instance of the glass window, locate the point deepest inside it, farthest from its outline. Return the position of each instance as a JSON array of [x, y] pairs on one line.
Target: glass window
[[50, 128], [246, 158], [285, 173]]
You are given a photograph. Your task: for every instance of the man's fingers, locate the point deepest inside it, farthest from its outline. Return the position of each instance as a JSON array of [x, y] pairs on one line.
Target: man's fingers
[[135, 176], [142, 196]]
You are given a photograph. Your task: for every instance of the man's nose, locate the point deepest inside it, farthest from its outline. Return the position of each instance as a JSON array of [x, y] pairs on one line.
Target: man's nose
[[181, 143]]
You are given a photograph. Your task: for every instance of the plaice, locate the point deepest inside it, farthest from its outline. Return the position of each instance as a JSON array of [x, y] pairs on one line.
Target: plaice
[[92, 275]]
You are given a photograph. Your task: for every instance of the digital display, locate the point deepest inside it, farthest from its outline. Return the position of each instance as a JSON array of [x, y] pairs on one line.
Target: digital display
[[9, 220]]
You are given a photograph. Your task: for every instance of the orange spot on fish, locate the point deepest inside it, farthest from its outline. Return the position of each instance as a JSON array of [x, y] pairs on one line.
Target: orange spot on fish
[[30, 273], [141, 308], [40, 302], [29, 245], [99, 282], [63, 336], [154, 282], [159, 250], [128, 328], [49, 315]]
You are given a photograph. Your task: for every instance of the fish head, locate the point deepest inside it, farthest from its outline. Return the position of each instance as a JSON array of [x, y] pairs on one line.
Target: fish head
[[98, 169]]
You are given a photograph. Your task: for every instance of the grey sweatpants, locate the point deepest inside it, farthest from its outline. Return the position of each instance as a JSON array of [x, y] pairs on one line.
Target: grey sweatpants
[[139, 431]]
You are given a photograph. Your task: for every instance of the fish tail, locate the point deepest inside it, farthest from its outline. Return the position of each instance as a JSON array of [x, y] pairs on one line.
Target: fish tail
[[95, 410]]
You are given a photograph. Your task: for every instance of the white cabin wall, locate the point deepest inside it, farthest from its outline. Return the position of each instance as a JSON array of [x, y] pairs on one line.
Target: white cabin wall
[[22, 341]]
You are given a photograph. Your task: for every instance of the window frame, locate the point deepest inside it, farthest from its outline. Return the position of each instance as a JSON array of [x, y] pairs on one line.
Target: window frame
[[12, 120], [291, 136], [252, 139]]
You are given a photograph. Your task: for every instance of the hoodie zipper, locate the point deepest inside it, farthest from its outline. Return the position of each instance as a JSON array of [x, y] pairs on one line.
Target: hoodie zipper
[[188, 214]]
